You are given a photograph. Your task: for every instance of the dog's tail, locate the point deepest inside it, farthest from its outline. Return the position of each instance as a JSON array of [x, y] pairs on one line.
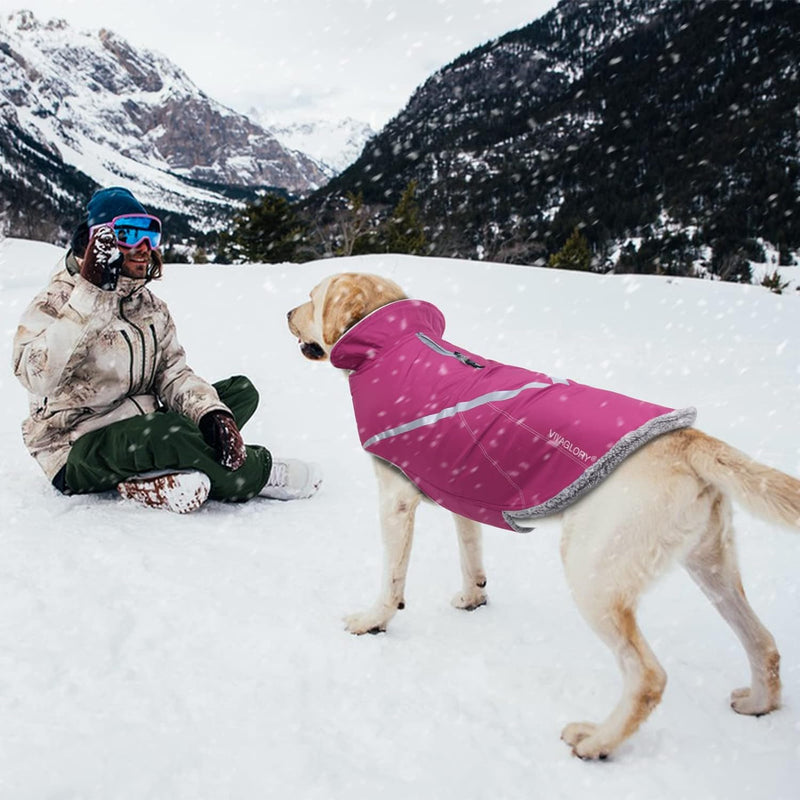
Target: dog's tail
[[762, 490]]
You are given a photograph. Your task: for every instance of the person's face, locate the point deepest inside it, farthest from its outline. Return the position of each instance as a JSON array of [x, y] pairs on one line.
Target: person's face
[[136, 260]]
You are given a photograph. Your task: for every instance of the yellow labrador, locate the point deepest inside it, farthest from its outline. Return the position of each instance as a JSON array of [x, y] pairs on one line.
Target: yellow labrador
[[669, 501]]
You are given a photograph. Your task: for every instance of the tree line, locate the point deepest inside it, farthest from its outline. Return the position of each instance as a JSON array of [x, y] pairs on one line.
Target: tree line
[[274, 229]]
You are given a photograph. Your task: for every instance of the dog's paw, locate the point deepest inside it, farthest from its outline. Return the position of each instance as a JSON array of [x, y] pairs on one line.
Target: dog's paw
[[582, 738], [366, 622], [469, 601], [743, 701], [576, 732]]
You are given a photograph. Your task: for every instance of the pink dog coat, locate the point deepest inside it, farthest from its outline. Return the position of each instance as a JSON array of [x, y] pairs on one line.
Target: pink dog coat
[[488, 441]]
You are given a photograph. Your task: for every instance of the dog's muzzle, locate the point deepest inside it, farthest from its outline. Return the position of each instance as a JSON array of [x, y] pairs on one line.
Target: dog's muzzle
[[312, 350]]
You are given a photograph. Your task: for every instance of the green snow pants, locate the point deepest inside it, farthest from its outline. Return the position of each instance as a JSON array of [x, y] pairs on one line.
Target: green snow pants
[[166, 440]]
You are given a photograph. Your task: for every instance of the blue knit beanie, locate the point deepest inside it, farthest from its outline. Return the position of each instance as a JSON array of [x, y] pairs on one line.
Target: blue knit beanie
[[112, 202]]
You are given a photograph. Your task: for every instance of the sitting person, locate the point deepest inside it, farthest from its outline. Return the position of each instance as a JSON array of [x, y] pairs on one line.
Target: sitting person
[[113, 403]]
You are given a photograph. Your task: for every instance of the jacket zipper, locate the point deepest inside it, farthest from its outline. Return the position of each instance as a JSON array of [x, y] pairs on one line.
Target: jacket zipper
[[130, 350], [130, 344], [449, 353], [155, 352]]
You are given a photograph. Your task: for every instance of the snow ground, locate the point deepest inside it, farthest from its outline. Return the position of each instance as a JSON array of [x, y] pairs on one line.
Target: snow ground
[[149, 655]]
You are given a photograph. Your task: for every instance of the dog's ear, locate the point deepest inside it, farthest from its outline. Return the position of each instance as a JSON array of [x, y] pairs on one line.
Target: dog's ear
[[350, 297]]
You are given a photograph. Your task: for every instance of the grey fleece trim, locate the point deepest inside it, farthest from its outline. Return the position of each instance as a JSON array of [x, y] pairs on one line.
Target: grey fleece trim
[[601, 469]]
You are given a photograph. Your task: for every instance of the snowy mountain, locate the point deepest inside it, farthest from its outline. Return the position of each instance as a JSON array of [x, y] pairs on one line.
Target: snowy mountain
[[334, 144], [167, 657], [82, 108], [666, 130]]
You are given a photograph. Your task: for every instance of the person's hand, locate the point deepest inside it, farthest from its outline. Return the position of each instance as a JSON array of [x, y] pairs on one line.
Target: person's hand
[[103, 261], [222, 435]]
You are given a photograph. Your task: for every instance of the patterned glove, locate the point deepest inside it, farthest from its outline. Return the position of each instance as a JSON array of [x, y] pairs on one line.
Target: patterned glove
[[102, 262], [221, 434]]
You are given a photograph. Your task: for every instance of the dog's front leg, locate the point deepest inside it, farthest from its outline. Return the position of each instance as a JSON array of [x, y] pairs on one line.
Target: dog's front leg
[[398, 500], [473, 590]]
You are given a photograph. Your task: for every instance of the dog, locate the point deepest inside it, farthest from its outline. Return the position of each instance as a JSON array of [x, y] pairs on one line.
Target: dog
[[669, 500]]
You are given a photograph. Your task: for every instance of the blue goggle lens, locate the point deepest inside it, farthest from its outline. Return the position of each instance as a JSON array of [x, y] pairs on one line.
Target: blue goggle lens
[[132, 231]]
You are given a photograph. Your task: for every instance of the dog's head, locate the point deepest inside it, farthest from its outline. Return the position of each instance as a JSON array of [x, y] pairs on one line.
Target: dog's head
[[336, 304]]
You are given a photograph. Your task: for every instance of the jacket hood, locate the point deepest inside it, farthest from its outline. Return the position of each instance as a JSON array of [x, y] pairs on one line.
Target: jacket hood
[[384, 328], [71, 263]]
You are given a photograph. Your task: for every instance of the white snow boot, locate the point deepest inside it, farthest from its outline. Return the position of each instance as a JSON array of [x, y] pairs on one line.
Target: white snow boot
[[180, 492], [291, 479]]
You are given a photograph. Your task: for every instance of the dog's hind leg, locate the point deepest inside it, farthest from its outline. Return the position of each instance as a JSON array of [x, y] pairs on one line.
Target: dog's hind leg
[[643, 682], [473, 590], [608, 563], [714, 567], [398, 499]]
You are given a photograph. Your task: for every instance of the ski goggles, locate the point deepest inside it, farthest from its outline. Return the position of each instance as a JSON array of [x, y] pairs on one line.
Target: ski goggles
[[131, 230]]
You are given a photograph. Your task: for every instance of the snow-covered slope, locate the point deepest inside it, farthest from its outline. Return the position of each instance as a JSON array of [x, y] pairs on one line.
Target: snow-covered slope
[[148, 655]]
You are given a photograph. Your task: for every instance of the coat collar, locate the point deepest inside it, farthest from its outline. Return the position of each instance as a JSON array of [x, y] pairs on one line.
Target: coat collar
[[382, 329], [126, 287]]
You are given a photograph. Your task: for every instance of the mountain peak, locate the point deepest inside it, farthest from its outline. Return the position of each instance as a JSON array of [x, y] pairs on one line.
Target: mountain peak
[[87, 109], [26, 20], [335, 144], [23, 20]]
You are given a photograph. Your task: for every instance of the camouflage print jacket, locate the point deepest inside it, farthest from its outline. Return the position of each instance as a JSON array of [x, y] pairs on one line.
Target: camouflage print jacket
[[90, 357]]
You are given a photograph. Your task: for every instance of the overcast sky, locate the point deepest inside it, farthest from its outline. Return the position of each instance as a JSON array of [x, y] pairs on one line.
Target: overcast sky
[[302, 58]]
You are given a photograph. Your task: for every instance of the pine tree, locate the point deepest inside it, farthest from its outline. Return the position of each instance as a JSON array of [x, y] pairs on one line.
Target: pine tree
[[575, 254], [267, 231], [405, 232]]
